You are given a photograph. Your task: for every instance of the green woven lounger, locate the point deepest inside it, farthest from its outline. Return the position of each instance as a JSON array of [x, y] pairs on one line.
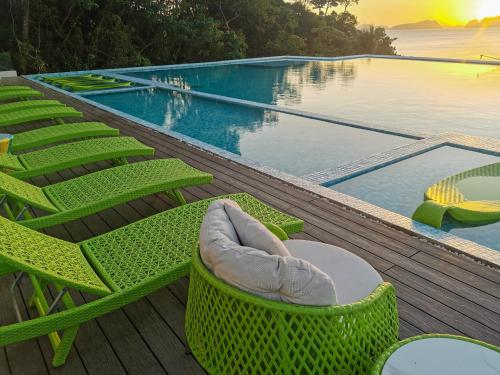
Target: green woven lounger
[[95, 86], [28, 104], [74, 154], [35, 114], [120, 267], [78, 78], [87, 82], [19, 94], [81, 196], [14, 87], [59, 133]]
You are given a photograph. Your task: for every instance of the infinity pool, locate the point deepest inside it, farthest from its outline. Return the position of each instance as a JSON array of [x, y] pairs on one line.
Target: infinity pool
[[422, 96]]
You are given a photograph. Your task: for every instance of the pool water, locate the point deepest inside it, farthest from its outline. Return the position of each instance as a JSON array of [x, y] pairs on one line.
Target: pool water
[[292, 144], [422, 96], [400, 187]]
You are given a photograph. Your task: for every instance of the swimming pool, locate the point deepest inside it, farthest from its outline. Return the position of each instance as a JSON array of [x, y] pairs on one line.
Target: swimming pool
[[421, 96], [377, 129]]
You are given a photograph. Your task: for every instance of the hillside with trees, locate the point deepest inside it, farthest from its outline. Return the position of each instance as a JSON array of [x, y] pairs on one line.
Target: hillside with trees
[[61, 35]]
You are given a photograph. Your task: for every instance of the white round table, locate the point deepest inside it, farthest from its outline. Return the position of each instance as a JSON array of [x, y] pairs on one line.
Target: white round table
[[442, 356]]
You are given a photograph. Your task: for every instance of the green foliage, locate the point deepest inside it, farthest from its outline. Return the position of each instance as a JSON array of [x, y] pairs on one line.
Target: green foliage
[[61, 35]]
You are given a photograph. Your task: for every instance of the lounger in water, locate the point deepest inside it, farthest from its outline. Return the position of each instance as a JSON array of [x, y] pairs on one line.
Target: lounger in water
[[19, 94], [471, 197], [119, 267], [94, 192], [87, 82], [59, 133], [74, 154], [29, 104], [48, 113]]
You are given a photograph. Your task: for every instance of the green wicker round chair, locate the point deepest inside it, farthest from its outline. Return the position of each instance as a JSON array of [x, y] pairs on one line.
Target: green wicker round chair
[[439, 354], [230, 331]]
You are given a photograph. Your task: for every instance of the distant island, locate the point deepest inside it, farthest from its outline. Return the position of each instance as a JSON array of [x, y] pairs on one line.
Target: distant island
[[432, 24], [427, 24], [485, 22]]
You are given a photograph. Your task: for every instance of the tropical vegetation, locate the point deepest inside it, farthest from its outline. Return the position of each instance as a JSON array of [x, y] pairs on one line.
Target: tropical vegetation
[[61, 35]]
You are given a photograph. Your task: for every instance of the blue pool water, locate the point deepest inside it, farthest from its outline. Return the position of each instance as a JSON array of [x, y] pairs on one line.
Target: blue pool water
[[431, 97], [292, 144], [400, 187]]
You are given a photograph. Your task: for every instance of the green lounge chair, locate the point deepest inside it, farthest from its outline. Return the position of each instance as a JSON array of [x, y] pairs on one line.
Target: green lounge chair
[[87, 82], [28, 104], [19, 94], [59, 133], [50, 113], [120, 267], [74, 154], [14, 87], [94, 192]]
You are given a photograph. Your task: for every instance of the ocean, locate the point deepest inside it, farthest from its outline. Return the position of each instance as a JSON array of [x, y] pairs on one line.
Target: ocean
[[458, 43]]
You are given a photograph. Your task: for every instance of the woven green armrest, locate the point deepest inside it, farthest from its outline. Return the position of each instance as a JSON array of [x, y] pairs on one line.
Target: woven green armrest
[[35, 114], [28, 104], [69, 155], [59, 133]]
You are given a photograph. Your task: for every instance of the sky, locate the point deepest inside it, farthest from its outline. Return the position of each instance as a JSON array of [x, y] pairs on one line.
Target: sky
[[447, 12]]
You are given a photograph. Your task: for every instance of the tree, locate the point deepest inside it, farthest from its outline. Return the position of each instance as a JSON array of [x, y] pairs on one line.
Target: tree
[[324, 6], [347, 3]]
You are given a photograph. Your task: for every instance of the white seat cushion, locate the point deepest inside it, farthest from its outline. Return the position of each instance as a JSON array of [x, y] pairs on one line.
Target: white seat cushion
[[354, 278]]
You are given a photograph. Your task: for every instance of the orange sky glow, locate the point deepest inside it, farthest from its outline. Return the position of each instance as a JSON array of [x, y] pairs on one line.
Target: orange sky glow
[[447, 12]]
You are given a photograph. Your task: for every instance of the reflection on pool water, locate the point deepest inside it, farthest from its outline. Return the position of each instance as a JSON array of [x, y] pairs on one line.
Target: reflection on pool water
[[432, 97], [400, 187], [292, 144]]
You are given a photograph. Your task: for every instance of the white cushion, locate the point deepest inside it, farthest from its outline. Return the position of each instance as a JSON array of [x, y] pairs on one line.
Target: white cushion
[[256, 271], [252, 232], [353, 277]]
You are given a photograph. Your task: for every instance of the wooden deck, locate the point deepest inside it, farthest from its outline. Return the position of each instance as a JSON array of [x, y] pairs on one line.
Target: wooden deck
[[437, 291]]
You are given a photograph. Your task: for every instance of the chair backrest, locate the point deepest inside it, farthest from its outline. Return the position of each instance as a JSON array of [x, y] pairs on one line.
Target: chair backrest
[[52, 259], [25, 193], [12, 162]]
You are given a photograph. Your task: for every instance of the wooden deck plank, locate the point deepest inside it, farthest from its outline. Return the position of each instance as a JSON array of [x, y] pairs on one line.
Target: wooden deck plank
[[438, 291], [452, 300]]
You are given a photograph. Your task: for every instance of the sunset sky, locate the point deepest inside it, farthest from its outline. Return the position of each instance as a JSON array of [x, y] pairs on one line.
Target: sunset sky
[[448, 12]]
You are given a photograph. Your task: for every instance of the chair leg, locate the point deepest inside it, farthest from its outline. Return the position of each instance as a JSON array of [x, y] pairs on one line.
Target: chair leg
[[62, 350], [120, 161], [177, 196]]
